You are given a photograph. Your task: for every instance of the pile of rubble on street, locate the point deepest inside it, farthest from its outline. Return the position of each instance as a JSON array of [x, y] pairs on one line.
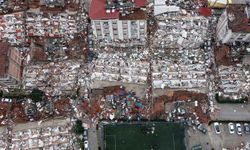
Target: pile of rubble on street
[[115, 103], [183, 106]]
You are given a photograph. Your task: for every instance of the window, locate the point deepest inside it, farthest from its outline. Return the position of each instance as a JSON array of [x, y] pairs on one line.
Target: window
[[115, 31], [99, 32], [114, 23], [106, 23], [97, 23]]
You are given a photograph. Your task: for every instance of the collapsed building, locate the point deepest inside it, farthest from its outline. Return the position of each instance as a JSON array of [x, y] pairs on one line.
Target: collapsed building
[[61, 78], [234, 80], [180, 60], [121, 66], [54, 3], [12, 28], [42, 135]]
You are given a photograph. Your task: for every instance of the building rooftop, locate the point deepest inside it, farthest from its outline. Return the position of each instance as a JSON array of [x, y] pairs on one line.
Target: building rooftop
[[102, 9], [137, 15], [238, 19], [3, 57]]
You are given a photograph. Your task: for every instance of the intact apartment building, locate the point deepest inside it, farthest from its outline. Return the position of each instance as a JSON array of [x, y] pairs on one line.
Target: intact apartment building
[[10, 68], [234, 24], [118, 20]]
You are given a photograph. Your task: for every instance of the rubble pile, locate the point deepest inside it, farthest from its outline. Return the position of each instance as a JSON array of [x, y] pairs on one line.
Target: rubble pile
[[24, 27], [3, 142], [183, 106], [3, 112], [18, 113], [123, 43], [62, 107], [25, 110], [124, 66], [55, 49], [234, 80], [197, 104], [7, 6], [181, 60], [55, 78], [116, 103], [177, 32], [12, 28], [53, 137], [178, 75], [4, 6], [222, 56], [187, 5], [51, 25], [187, 113]]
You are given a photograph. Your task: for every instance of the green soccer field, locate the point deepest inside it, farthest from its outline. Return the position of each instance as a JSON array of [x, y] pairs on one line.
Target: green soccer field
[[147, 136]]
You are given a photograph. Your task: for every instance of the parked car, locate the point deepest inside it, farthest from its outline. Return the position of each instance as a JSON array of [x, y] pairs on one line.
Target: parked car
[[217, 128], [238, 128], [202, 128], [246, 128], [85, 134], [86, 144], [231, 128]]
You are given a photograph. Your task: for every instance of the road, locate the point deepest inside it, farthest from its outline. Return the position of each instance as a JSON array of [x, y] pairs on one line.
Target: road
[[234, 112], [92, 138], [194, 137]]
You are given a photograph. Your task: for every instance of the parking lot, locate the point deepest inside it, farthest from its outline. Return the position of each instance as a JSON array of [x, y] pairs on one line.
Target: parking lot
[[226, 140]]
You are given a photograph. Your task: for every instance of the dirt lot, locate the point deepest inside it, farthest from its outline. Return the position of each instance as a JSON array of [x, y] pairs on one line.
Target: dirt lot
[[222, 55]]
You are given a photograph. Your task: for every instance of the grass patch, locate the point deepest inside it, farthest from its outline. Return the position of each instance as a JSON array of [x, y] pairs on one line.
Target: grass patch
[[165, 136], [78, 129]]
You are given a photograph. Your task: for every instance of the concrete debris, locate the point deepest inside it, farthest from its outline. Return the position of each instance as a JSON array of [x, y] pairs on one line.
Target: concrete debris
[[180, 61], [12, 28], [116, 103], [121, 66], [234, 80], [60, 78]]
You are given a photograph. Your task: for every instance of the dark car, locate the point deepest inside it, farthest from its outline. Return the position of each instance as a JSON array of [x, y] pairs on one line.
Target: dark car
[[246, 128], [217, 128]]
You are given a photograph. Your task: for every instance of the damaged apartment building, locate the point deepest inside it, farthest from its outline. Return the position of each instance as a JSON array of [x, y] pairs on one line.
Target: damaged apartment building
[[10, 68], [119, 20], [180, 60], [234, 24]]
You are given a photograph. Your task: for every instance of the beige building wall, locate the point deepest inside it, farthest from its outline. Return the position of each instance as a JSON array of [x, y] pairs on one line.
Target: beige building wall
[[15, 62]]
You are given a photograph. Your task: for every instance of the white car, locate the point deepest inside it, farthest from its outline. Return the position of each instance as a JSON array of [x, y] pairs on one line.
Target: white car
[[239, 129], [231, 128], [217, 128], [86, 144]]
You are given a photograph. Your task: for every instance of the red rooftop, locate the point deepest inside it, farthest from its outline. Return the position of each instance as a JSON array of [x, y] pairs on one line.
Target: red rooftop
[[102, 9]]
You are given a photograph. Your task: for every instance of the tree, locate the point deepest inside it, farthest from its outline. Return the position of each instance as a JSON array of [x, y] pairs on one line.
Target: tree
[[78, 129], [1, 93], [36, 95]]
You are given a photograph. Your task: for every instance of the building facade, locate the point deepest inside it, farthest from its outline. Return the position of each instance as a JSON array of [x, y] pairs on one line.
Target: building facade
[[114, 29], [234, 24], [10, 68], [110, 21]]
